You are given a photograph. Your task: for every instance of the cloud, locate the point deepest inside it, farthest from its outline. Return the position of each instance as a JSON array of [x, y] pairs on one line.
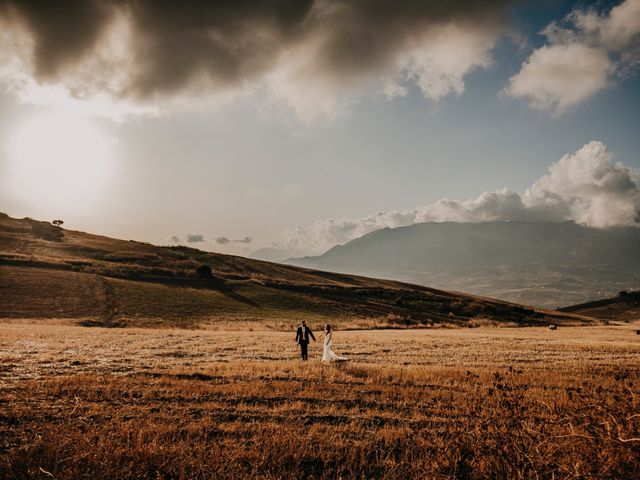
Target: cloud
[[198, 238], [221, 240], [227, 240], [582, 56], [362, 46], [194, 238], [148, 54], [557, 77], [586, 187]]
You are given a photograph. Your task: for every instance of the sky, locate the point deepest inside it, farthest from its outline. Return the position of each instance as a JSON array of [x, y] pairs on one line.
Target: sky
[[296, 125]]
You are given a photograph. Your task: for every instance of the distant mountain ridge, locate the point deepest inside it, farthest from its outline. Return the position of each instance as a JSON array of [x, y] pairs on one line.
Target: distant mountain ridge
[[273, 254], [539, 263]]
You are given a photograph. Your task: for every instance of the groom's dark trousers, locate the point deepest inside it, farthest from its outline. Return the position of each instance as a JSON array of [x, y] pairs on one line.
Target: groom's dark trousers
[[302, 337]]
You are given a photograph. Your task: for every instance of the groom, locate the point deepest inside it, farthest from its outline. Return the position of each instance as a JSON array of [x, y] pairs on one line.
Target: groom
[[302, 339]]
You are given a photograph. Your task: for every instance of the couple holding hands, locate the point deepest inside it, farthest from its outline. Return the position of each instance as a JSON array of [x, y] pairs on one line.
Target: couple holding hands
[[302, 338]]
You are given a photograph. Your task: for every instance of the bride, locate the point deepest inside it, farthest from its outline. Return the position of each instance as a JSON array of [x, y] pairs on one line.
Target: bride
[[328, 355]]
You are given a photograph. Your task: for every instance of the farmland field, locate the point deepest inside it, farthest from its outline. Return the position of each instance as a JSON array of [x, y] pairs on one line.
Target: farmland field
[[93, 403]]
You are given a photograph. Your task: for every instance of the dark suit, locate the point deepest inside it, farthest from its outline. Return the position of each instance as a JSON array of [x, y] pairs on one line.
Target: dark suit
[[303, 340]]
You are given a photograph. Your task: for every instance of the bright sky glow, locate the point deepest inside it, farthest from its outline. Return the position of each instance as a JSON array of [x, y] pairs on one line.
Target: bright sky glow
[[59, 160]]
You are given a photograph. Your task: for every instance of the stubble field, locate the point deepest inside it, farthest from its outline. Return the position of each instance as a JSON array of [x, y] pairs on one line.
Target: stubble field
[[442, 403]]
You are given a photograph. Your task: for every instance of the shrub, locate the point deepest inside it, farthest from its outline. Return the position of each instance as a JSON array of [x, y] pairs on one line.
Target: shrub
[[204, 271]]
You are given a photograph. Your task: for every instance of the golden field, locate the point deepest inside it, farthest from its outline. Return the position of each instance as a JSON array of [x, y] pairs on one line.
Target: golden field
[[512, 403]]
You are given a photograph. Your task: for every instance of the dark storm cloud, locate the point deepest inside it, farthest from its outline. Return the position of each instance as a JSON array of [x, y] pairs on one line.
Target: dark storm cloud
[[63, 31], [365, 35], [220, 45], [173, 41], [226, 42]]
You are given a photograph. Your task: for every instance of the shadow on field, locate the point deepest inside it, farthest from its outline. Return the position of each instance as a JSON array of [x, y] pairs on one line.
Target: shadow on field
[[201, 284]]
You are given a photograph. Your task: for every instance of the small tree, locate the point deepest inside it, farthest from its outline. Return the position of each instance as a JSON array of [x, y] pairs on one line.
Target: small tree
[[57, 223], [204, 271]]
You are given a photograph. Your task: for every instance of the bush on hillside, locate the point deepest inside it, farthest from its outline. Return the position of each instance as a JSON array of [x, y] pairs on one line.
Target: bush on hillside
[[204, 271]]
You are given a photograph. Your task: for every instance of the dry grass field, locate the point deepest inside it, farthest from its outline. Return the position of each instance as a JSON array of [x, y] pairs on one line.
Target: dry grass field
[[517, 403]]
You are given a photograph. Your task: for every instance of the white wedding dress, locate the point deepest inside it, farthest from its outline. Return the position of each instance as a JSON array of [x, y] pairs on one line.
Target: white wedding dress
[[328, 355]]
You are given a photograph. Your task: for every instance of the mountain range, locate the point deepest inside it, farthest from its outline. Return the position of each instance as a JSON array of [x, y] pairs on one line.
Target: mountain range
[[545, 264]]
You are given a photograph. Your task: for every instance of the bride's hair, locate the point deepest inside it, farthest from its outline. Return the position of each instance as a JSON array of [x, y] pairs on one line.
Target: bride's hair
[[327, 328]]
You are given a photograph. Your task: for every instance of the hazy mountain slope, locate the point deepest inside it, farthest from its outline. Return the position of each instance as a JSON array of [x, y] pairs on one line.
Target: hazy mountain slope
[[53, 273], [624, 307], [540, 263], [272, 254]]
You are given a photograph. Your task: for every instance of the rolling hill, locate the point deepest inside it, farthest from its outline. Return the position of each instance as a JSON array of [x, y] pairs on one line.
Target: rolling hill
[[624, 307], [536, 263], [48, 272]]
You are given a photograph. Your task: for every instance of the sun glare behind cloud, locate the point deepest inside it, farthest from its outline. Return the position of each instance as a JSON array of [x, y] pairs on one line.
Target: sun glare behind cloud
[[58, 160]]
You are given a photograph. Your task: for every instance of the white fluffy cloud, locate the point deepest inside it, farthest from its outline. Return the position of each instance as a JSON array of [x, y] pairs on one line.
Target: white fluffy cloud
[[556, 77], [580, 58], [586, 187]]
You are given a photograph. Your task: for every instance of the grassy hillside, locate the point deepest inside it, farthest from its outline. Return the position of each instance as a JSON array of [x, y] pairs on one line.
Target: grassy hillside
[[624, 307], [47, 272]]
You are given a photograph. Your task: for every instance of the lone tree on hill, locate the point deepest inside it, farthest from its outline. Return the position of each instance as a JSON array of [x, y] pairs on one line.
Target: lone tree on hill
[[204, 271], [57, 223]]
